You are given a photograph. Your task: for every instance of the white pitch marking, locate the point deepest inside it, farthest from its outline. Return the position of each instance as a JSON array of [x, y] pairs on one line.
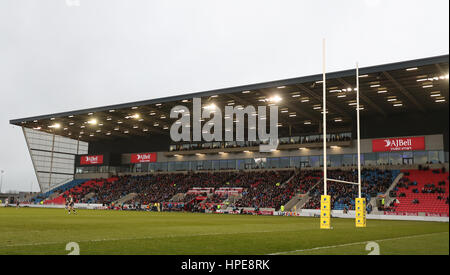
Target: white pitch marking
[[143, 238], [350, 244]]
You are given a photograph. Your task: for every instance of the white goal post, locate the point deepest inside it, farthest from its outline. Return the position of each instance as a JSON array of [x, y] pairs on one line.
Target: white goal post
[[326, 200]]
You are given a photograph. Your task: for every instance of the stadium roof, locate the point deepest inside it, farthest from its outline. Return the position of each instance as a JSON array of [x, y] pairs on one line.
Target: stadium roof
[[412, 86]]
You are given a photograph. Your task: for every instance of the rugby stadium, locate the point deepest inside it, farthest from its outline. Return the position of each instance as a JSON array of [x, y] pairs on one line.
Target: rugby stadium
[[136, 191]]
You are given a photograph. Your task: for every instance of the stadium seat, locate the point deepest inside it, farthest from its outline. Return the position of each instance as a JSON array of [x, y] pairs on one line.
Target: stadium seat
[[428, 202]]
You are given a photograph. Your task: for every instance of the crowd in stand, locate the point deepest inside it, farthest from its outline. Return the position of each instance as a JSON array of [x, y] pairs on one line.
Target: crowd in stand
[[303, 181], [164, 186], [262, 189], [190, 197], [216, 198], [110, 192], [79, 195], [374, 181]]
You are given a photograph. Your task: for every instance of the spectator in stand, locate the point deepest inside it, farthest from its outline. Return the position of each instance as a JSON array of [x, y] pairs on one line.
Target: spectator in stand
[[374, 181]]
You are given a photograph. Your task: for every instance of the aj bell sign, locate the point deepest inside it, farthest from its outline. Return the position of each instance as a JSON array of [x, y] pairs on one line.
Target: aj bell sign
[[398, 144], [91, 160], [144, 157]]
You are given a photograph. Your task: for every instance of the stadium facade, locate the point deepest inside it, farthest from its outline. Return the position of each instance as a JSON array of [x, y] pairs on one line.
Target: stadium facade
[[404, 122]]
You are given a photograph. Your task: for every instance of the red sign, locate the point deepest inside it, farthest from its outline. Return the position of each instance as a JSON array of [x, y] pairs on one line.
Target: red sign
[[398, 144], [201, 198], [91, 160], [144, 157]]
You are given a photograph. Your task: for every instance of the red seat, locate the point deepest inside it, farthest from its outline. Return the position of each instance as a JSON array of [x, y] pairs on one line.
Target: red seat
[[428, 203], [78, 190]]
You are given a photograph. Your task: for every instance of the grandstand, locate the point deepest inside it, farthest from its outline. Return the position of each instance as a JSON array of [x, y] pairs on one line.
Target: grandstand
[[122, 156], [422, 191]]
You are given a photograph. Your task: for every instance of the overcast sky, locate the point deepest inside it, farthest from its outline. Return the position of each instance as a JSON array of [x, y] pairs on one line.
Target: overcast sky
[[56, 55]]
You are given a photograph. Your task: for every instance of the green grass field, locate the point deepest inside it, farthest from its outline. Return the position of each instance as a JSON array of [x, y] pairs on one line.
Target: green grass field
[[47, 231]]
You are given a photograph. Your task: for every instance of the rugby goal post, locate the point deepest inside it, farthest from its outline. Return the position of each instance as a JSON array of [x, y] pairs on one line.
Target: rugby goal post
[[325, 201]]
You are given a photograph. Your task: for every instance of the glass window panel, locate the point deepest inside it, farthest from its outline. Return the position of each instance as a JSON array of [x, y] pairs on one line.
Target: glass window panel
[[241, 164], [347, 160], [434, 156], [395, 158], [315, 161], [370, 159], [383, 158], [335, 160], [232, 164], [284, 162]]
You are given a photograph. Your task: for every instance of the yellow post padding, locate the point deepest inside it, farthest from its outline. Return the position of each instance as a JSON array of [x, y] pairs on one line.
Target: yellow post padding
[[325, 212], [360, 212]]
